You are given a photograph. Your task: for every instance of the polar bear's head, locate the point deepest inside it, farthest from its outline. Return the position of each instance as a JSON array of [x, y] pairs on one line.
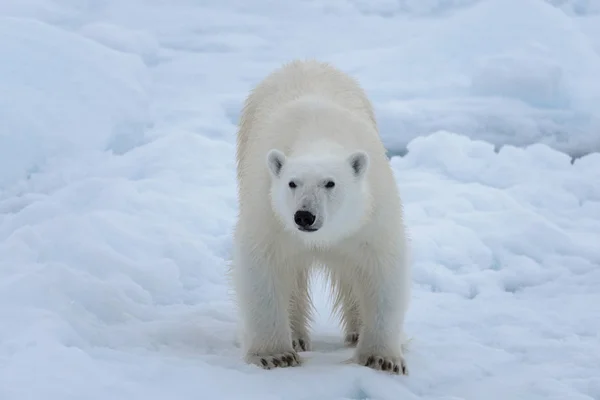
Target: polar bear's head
[[322, 198]]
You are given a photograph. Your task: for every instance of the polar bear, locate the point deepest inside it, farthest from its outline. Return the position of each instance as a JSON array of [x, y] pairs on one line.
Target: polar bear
[[315, 188]]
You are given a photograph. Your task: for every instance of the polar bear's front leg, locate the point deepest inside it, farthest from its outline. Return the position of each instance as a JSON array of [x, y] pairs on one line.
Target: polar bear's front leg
[[383, 299], [263, 294]]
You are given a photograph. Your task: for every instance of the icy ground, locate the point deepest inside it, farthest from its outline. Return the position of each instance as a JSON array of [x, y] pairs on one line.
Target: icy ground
[[117, 194]]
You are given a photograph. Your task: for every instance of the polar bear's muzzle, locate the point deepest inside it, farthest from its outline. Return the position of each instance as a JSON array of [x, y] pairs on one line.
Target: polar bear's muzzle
[[306, 221]]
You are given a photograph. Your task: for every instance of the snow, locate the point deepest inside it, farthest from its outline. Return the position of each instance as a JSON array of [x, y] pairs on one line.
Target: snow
[[62, 95], [118, 197]]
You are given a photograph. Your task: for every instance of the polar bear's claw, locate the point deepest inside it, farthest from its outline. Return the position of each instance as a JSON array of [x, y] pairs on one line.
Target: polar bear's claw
[[301, 344], [395, 365], [351, 339], [279, 360]]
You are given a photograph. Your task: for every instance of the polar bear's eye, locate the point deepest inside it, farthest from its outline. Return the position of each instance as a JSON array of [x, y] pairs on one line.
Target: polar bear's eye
[[330, 184], [292, 184]]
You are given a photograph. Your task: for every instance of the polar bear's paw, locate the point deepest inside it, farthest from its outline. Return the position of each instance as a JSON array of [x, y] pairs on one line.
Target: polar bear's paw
[[395, 365], [276, 360], [301, 343]]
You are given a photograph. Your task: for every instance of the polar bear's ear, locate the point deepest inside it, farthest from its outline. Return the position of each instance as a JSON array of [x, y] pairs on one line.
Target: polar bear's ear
[[359, 161], [275, 161]]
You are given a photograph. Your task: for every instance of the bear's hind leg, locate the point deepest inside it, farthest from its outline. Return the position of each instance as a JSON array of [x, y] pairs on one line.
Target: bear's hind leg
[[352, 321], [346, 304], [300, 311]]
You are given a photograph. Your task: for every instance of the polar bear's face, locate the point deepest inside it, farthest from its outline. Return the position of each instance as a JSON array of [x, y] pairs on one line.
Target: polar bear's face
[[320, 198]]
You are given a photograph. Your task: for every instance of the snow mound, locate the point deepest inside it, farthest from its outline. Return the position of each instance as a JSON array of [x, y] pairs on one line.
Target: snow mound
[[443, 8], [532, 203], [510, 239], [506, 71], [390, 8], [61, 96], [129, 41], [577, 7], [537, 81], [89, 269], [489, 72]]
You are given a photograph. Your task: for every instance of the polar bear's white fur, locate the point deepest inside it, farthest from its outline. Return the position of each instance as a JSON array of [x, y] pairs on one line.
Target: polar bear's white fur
[[316, 188]]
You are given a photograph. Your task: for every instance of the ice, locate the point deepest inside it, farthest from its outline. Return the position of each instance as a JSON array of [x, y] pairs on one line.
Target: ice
[[118, 197]]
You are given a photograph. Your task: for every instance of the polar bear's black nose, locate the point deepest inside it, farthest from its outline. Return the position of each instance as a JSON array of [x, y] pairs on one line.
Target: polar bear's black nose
[[304, 219]]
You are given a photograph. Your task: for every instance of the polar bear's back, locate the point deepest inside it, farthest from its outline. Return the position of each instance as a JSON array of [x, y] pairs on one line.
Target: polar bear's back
[[292, 81]]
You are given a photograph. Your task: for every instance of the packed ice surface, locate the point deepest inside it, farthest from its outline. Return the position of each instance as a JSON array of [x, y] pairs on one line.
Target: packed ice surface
[[117, 194]]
